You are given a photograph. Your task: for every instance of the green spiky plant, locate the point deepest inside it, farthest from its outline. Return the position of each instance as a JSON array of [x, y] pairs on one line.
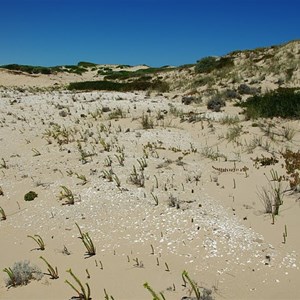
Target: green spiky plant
[[117, 180], [106, 145], [108, 175], [185, 276], [11, 275], [38, 239], [143, 163], [107, 297], [2, 213], [3, 164], [87, 241], [155, 199], [83, 293], [120, 159], [35, 152], [82, 178], [52, 271], [66, 194], [153, 293]]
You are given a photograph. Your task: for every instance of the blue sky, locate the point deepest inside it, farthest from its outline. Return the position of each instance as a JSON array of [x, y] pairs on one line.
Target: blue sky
[[152, 32]]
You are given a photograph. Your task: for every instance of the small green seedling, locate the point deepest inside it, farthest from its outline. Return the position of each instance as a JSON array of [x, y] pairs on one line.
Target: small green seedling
[[155, 296], [87, 241], [2, 213], [83, 293], [52, 271]]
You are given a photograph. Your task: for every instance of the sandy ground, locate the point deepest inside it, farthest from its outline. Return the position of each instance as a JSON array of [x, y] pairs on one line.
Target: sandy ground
[[208, 219]]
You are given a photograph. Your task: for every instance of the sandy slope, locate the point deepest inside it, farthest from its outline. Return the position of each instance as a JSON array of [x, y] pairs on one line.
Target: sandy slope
[[217, 230]]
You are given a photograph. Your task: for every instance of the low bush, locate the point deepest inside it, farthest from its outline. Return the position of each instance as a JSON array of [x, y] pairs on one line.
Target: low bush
[[245, 89], [215, 103], [284, 103]]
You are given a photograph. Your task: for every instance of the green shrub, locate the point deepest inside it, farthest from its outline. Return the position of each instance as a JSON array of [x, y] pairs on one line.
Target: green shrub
[[284, 103], [208, 64], [30, 196], [86, 64], [137, 85], [28, 69]]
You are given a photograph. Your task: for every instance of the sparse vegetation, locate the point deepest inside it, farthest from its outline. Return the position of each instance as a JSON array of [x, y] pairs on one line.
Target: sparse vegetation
[[144, 169]]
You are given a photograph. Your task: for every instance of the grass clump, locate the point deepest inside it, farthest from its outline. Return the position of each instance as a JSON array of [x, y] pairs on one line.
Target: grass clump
[[284, 103], [229, 120], [22, 273], [272, 195], [147, 122], [233, 133]]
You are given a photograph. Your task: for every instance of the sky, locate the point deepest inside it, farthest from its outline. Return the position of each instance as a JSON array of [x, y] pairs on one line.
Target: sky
[[132, 32]]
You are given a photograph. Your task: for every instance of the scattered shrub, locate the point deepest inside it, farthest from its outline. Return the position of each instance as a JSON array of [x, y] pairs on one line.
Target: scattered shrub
[[245, 89], [147, 122], [215, 103], [30, 196], [292, 165], [232, 94], [22, 273]]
